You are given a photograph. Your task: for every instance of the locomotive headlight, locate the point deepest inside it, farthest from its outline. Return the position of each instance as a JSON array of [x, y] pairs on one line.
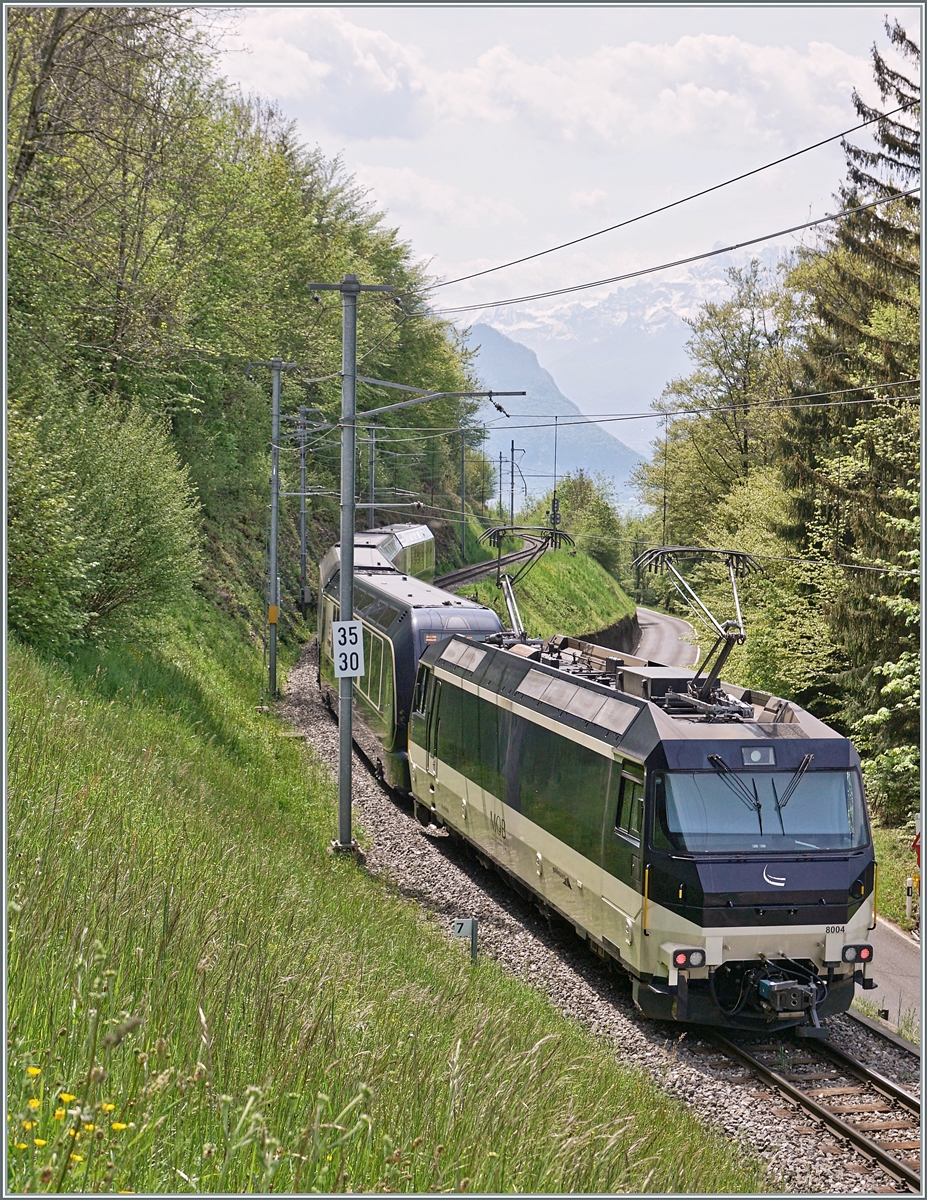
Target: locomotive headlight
[[683, 959], [696, 958], [861, 954]]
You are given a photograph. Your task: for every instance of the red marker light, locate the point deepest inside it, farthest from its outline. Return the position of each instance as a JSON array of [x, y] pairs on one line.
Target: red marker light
[[680, 958], [865, 953]]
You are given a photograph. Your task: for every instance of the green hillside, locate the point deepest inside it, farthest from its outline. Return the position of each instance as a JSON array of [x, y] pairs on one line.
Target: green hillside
[[202, 999], [564, 592]]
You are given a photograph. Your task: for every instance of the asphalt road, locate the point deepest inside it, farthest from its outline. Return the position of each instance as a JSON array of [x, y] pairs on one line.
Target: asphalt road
[[896, 967], [663, 639]]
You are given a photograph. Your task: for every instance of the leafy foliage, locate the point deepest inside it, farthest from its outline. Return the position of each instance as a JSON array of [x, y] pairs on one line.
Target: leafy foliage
[[825, 491], [163, 232]]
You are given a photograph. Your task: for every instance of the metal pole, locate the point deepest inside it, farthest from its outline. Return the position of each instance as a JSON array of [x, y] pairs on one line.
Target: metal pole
[[372, 471], [303, 582], [273, 600], [512, 485], [349, 292], [463, 497]]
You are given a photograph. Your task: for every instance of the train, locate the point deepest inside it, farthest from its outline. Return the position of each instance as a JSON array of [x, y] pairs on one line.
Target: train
[[711, 840], [402, 613]]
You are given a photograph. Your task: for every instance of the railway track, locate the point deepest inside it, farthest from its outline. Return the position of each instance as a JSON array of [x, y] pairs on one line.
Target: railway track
[[860, 1108], [480, 570]]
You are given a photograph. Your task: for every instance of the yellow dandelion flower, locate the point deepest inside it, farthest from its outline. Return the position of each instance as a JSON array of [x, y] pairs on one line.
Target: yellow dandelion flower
[[33, 1071], [33, 1103], [107, 1107], [66, 1097], [29, 1124], [40, 1141], [21, 1145], [88, 1125], [119, 1126], [77, 1158], [59, 1114], [73, 1133]]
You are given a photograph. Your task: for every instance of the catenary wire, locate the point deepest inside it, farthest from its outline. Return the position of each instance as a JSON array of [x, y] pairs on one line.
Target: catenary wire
[[679, 262], [665, 207]]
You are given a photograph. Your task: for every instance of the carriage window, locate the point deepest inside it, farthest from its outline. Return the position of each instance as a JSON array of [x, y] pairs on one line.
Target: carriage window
[[458, 731], [564, 788], [629, 818], [418, 701]]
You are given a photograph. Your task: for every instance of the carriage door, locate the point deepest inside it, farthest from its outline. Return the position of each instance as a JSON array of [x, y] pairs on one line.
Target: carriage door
[[431, 728], [622, 868]]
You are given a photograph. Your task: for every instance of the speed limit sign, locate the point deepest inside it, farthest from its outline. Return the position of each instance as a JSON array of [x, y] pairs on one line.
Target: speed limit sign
[[348, 649]]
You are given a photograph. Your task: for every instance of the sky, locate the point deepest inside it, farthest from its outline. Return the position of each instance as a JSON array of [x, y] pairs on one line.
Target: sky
[[491, 132]]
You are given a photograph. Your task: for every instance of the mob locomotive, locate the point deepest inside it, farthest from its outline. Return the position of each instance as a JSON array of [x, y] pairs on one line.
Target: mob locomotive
[[712, 840]]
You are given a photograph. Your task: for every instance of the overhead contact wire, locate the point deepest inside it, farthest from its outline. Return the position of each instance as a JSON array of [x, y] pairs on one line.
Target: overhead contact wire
[[666, 207]]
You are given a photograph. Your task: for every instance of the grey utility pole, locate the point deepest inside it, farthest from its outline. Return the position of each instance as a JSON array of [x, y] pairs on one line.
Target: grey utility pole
[[350, 288], [273, 601], [372, 472], [463, 497], [512, 480], [303, 583], [512, 484], [273, 587]]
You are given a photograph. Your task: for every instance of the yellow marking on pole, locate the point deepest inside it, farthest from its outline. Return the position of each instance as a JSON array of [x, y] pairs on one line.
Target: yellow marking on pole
[[272, 613]]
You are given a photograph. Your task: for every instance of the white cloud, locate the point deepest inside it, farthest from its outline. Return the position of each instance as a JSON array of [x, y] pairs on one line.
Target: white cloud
[[587, 199], [365, 83], [402, 190]]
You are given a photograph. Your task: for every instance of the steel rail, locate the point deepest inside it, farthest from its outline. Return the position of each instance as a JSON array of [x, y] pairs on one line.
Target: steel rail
[[475, 571], [893, 1166], [878, 1082]]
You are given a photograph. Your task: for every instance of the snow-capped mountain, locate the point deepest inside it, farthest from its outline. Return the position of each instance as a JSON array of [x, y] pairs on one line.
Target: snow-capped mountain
[[615, 354]]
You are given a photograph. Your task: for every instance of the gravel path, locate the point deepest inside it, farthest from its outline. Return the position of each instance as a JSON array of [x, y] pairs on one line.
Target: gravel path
[[448, 882]]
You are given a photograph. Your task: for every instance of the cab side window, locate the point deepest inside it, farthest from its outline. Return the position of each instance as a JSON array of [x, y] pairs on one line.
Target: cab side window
[[418, 700], [629, 818]]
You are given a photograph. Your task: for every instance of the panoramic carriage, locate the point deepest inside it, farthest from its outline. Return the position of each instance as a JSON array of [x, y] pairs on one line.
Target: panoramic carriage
[[402, 614]]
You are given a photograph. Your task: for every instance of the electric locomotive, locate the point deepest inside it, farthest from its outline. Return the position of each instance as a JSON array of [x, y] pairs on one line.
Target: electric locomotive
[[727, 865]]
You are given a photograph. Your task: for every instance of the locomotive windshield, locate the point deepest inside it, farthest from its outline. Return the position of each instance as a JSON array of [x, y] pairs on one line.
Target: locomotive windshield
[[759, 811]]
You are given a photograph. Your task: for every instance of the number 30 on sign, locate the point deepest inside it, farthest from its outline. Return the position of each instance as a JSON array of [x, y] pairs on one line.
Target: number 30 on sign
[[348, 648]]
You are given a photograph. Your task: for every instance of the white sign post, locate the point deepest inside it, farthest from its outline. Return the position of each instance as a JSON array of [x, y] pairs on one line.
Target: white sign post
[[348, 649]]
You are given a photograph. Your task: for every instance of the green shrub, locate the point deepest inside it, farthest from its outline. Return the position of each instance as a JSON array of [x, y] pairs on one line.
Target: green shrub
[[101, 525]]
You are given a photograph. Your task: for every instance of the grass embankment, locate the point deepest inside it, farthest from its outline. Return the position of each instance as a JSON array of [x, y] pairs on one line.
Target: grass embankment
[[302, 1027], [896, 863], [564, 592]]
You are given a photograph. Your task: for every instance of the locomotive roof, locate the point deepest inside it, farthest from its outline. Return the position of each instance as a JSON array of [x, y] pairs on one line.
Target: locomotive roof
[[642, 729]]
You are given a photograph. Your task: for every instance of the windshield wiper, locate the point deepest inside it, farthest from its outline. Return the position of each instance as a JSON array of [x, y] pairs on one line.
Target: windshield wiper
[[779, 804], [796, 780], [738, 787]]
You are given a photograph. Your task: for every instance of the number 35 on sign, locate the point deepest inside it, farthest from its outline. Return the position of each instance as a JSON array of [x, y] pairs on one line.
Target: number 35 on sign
[[348, 649]]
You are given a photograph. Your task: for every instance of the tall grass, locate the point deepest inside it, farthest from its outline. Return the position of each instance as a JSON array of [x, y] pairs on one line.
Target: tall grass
[[201, 999]]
